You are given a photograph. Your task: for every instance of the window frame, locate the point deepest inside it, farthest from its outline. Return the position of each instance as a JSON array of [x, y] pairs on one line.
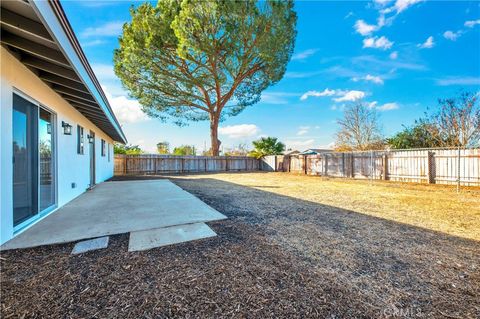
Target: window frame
[[102, 151], [80, 140]]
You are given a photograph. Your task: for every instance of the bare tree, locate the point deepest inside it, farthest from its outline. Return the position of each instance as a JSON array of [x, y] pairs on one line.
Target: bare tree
[[359, 129], [457, 122]]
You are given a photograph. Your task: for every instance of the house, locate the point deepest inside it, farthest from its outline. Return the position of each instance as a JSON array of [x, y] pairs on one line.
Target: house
[[291, 152], [315, 151], [57, 127]]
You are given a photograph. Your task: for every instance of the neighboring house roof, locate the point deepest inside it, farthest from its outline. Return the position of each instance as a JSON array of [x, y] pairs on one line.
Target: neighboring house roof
[[39, 35], [311, 151], [294, 152]]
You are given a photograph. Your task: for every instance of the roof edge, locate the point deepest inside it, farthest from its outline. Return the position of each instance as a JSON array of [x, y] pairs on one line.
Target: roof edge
[[53, 9]]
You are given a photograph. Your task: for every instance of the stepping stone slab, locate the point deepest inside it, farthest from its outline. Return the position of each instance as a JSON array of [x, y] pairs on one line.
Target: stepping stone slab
[[91, 244], [152, 238]]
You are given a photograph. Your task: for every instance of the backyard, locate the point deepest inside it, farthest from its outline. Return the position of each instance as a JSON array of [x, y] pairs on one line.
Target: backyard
[[292, 246]]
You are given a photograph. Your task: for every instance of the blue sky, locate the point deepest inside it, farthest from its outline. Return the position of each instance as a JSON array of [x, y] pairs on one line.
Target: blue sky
[[398, 56]]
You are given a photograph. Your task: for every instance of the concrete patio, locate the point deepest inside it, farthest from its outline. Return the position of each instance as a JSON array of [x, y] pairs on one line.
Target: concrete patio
[[115, 208]]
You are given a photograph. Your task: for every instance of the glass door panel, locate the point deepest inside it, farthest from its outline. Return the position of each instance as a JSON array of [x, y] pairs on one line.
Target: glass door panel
[[25, 160], [45, 147]]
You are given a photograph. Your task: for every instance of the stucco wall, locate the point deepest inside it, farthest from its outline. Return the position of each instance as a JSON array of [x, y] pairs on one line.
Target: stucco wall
[[71, 167]]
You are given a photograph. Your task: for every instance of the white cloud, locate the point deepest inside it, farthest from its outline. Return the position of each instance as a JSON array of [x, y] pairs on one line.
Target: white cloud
[[372, 105], [382, 2], [350, 96], [364, 28], [387, 107], [299, 144], [450, 35], [369, 78], [302, 130], [428, 44], [92, 43], [275, 98], [471, 23], [326, 92], [459, 80], [402, 5], [109, 29], [304, 54], [125, 109], [239, 131], [393, 55], [377, 43], [104, 71]]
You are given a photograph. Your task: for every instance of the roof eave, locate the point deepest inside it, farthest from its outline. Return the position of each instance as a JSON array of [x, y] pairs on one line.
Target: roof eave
[[54, 19]]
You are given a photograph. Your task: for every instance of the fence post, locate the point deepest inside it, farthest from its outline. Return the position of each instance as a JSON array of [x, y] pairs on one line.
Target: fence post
[[125, 163], [325, 166], [226, 164], [385, 166], [305, 164], [352, 163], [458, 170], [430, 170]]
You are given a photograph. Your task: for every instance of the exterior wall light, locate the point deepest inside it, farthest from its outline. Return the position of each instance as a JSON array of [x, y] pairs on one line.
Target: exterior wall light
[[91, 138], [67, 128]]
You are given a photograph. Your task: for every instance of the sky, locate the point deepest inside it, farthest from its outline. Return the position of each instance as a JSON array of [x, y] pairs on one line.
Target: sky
[[397, 56]]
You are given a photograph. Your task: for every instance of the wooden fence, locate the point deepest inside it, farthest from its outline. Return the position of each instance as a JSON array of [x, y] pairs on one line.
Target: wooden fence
[[160, 164], [435, 166]]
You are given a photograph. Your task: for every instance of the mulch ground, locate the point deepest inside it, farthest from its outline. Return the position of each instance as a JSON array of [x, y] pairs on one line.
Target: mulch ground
[[276, 256]]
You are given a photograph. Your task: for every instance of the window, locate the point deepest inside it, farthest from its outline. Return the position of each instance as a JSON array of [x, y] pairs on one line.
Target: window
[[80, 140], [103, 147], [108, 150]]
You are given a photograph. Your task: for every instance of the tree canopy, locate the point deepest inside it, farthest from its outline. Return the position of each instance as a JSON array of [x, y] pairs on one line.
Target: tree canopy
[[359, 129], [184, 150], [126, 149], [163, 148], [204, 60], [267, 146], [417, 136], [457, 121]]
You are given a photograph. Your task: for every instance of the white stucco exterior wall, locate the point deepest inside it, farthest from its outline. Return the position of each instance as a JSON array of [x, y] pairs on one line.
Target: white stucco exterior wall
[[70, 166]]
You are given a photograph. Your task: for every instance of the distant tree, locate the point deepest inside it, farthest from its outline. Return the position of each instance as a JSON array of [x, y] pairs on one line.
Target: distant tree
[[239, 150], [359, 129], [163, 147], [267, 146], [457, 121], [417, 136], [185, 150], [126, 149], [204, 60]]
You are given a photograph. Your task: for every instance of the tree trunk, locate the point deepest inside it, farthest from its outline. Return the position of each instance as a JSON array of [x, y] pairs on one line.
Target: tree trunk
[[214, 136]]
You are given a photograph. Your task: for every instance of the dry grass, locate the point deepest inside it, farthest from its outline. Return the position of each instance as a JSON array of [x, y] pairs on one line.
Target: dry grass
[[434, 207], [292, 247]]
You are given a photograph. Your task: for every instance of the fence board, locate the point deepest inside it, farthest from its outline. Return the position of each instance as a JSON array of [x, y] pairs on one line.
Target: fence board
[[440, 166], [158, 164]]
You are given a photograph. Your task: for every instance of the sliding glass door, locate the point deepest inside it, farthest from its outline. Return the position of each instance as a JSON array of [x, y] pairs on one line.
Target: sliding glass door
[[33, 160], [45, 147], [25, 164]]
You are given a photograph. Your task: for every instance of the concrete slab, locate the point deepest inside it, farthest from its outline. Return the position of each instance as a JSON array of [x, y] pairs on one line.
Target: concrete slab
[[89, 245], [152, 238], [115, 208]]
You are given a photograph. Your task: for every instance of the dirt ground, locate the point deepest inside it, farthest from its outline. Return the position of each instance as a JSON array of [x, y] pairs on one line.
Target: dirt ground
[[293, 246]]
